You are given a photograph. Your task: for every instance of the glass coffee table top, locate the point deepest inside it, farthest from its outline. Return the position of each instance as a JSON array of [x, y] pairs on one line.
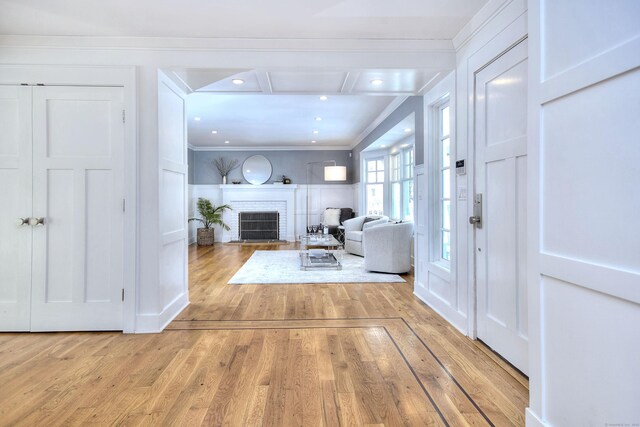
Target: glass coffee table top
[[320, 251]]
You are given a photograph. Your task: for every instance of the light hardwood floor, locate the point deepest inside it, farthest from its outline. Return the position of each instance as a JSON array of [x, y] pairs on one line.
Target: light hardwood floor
[[276, 355]]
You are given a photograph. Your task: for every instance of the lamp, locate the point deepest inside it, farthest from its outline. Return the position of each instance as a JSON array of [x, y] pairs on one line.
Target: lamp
[[331, 173]]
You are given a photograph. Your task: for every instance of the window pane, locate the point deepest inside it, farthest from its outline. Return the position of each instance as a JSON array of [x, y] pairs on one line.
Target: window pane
[[374, 199], [407, 200], [380, 177], [446, 184], [445, 121], [380, 165], [446, 214], [446, 246], [371, 165], [395, 201], [371, 177], [446, 148]]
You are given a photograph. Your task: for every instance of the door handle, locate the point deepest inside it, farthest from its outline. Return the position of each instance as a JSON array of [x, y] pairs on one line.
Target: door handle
[[37, 221], [23, 221], [476, 219]]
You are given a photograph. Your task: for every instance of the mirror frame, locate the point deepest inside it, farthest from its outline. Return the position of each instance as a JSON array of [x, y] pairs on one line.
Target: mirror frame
[[263, 167]]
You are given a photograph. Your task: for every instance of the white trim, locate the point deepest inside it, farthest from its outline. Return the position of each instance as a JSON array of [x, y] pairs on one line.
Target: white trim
[[532, 420], [315, 147], [103, 76], [393, 106], [480, 20], [155, 323], [232, 44]]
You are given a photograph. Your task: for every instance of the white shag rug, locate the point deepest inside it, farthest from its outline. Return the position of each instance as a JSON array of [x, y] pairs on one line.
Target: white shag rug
[[271, 267]]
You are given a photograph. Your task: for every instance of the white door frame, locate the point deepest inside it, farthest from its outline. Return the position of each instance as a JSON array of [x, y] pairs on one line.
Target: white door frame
[[508, 38], [101, 76]]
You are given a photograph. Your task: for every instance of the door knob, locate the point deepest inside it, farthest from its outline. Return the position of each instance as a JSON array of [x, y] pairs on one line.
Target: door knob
[[37, 221], [23, 221], [474, 220]]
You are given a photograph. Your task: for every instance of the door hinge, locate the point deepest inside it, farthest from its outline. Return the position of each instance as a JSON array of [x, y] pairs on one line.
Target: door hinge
[[123, 116], [124, 205], [122, 294]]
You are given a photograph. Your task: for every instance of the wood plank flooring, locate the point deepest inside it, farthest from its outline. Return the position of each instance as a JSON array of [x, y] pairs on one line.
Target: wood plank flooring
[[271, 355]]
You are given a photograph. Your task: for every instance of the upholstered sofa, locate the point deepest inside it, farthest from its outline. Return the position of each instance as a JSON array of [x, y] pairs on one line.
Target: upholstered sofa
[[387, 247], [354, 229]]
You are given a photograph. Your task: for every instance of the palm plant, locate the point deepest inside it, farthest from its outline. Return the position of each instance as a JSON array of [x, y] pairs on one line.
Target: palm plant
[[210, 215]]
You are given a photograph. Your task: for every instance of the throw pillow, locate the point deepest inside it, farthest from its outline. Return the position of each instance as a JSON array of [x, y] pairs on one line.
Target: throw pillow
[[332, 217], [345, 214], [369, 219]]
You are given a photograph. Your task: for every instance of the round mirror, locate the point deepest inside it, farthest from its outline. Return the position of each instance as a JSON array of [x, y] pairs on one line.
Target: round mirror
[[257, 169]]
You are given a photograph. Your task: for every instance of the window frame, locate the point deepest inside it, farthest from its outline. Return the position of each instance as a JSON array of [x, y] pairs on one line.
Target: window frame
[[438, 174], [375, 158]]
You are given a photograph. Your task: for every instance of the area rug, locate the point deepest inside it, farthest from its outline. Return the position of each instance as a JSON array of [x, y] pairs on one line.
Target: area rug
[[271, 267]]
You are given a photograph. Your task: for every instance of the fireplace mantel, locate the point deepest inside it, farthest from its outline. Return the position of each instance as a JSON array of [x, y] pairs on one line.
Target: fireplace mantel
[[266, 197]]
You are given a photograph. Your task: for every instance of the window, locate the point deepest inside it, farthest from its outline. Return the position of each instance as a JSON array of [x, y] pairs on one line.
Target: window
[[407, 184], [396, 184], [375, 187], [443, 191]]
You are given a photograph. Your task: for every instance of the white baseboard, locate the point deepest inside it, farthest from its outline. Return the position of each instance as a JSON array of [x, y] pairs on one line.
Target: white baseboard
[[155, 323], [454, 318], [532, 420]]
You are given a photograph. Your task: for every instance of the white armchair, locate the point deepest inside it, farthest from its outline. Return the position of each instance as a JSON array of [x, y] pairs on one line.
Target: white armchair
[[353, 231], [387, 248]]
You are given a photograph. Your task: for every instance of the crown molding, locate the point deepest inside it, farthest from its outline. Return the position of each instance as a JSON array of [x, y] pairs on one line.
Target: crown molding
[[393, 105], [478, 22], [230, 44], [315, 147]]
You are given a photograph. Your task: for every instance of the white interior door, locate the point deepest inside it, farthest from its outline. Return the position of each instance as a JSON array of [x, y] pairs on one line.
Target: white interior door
[[78, 138], [501, 169], [15, 202]]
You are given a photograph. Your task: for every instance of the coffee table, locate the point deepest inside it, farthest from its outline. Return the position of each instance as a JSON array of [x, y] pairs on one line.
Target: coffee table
[[320, 252]]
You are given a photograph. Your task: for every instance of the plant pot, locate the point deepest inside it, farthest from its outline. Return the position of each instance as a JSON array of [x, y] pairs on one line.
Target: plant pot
[[205, 236]]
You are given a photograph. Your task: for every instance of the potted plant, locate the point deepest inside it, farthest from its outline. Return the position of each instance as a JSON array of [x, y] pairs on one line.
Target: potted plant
[[210, 215], [225, 166]]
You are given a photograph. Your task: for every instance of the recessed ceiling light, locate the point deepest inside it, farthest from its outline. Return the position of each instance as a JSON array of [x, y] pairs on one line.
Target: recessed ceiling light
[[214, 132], [382, 146], [317, 119], [197, 119], [404, 145], [324, 98], [407, 130], [314, 141], [315, 132], [377, 82], [237, 81], [226, 142]]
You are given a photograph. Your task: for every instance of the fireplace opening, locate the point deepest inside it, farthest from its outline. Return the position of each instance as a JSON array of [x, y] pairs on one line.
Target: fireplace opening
[[259, 226]]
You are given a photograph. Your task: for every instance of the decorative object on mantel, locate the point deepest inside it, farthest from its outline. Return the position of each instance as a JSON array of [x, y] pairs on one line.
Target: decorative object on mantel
[[210, 215], [236, 181], [331, 173], [257, 169], [286, 180], [225, 166]]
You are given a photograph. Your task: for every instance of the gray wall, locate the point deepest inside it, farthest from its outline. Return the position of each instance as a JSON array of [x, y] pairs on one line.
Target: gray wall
[[413, 104], [190, 158], [292, 163]]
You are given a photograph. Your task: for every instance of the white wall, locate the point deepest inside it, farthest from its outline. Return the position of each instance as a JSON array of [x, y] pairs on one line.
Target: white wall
[[495, 28], [147, 56], [322, 196], [172, 292], [434, 284], [584, 254]]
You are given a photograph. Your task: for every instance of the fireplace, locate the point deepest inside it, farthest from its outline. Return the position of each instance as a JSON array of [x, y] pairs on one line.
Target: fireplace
[[261, 226]]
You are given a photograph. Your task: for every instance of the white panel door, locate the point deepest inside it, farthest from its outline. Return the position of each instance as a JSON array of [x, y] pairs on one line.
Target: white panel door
[[15, 205], [78, 138], [501, 169]]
